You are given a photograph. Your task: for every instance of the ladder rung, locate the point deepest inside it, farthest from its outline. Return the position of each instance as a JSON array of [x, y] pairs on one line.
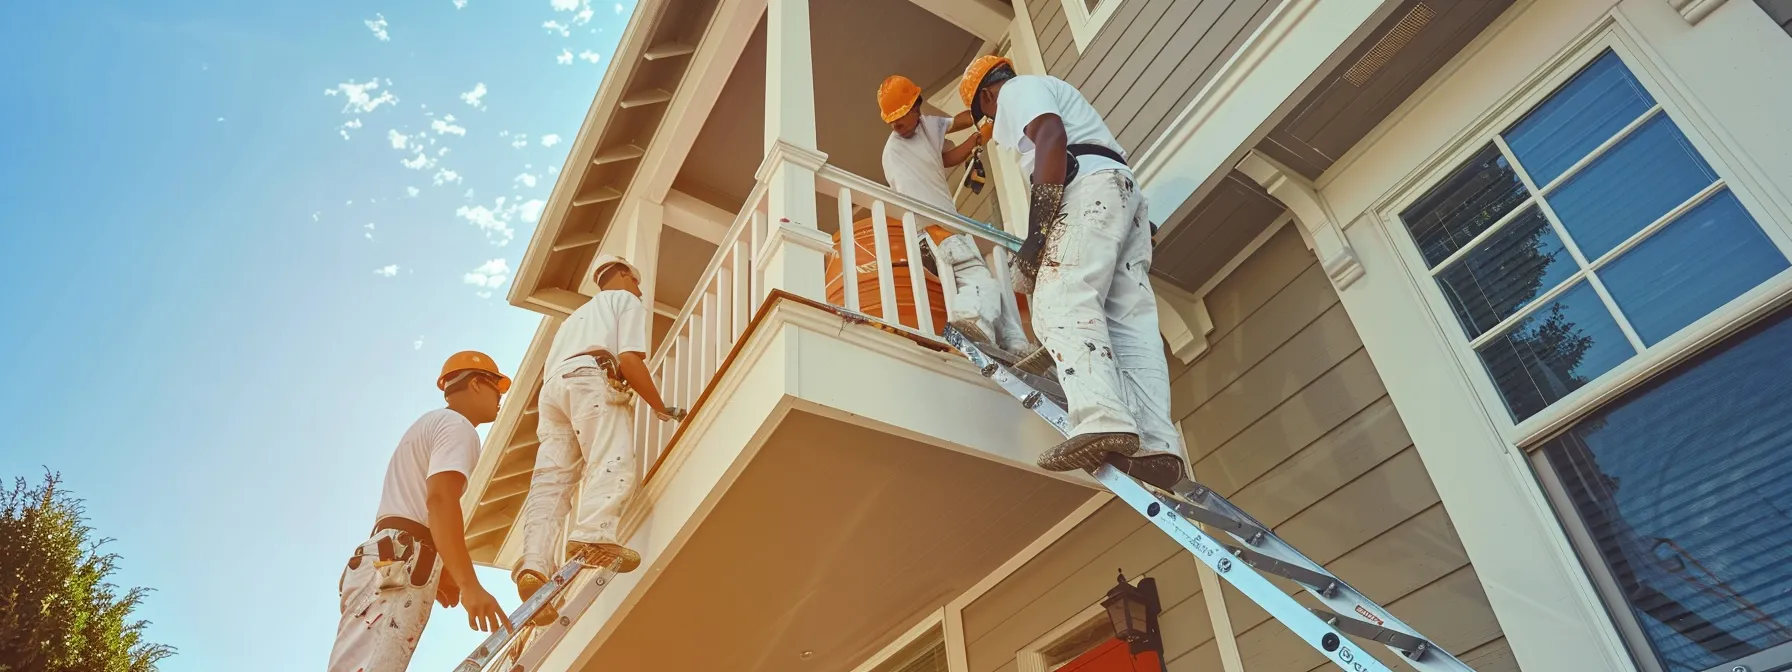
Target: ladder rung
[[1320, 582], [1209, 517], [1414, 647]]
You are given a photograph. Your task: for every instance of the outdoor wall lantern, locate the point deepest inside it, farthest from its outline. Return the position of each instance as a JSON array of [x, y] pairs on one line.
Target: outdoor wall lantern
[[1132, 611]]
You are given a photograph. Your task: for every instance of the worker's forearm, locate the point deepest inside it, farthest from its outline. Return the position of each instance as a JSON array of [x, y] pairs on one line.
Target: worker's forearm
[[1049, 164], [959, 153], [450, 537], [634, 370], [960, 121]]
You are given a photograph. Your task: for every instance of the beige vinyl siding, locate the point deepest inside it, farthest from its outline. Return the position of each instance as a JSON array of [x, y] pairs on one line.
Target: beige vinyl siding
[[1150, 58], [1286, 415], [1780, 11], [1075, 573]]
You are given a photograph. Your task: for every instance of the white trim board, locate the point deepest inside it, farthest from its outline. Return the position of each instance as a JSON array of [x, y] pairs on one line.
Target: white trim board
[[1084, 24]]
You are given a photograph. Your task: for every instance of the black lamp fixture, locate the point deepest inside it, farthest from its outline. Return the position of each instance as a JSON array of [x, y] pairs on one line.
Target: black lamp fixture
[[1132, 611]]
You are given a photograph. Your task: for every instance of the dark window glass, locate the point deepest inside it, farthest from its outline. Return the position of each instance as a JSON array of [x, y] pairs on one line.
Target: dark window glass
[[1630, 186], [1518, 263], [1476, 196], [1554, 351], [1586, 111], [1710, 255], [1685, 487]]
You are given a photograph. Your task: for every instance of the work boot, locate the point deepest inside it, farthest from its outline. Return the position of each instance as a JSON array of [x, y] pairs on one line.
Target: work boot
[[1086, 451], [1161, 470], [527, 582], [600, 555]]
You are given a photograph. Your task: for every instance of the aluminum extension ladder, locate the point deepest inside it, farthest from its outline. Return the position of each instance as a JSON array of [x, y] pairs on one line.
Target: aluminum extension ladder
[[495, 643], [1257, 550]]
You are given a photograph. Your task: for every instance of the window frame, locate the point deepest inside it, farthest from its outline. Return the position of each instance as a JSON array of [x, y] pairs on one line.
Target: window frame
[[1084, 24], [1719, 151]]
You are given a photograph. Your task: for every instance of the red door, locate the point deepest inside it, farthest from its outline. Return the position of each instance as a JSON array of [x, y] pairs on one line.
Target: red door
[[1112, 656]]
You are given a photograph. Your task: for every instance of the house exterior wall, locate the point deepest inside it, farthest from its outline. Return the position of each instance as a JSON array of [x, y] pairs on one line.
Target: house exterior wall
[[1150, 58]]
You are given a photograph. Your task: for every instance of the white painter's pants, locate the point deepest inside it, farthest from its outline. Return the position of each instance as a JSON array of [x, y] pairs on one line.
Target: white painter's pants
[[586, 431], [379, 628], [1094, 309], [978, 298]]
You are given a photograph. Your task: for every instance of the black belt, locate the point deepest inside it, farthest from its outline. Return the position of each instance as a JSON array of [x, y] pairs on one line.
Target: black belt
[[406, 525], [413, 541], [1088, 149]]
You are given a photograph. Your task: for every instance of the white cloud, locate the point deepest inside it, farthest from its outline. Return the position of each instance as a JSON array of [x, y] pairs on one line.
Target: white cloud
[[386, 271], [315, 215], [458, 4], [557, 27], [469, 193], [419, 161], [220, 118], [476, 96], [496, 221], [483, 295], [346, 127], [503, 134], [369, 234], [619, 8], [445, 126], [526, 180], [418, 344], [490, 274], [565, 5], [444, 176], [550, 140], [360, 96], [398, 140], [531, 210], [521, 141], [565, 57], [590, 55], [378, 26], [553, 170], [412, 191]]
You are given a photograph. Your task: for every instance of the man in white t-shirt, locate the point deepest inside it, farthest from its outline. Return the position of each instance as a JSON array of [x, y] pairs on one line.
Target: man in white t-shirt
[[1087, 264], [596, 366], [916, 158], [392, 578]]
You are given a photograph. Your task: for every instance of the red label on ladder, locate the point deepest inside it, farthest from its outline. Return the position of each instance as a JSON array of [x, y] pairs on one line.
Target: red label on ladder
[[1372, 617]]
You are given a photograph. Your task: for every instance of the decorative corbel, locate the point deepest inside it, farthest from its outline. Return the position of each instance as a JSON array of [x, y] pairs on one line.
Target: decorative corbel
[[1182, 319], [1695, 11], [1318, 227]]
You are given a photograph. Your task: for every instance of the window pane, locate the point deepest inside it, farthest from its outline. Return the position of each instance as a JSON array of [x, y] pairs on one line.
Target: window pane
[[1686, 489], [1710, 255], [1630, 186], [1554, 351], [1586, 111], [1480, 192], [1524, 259]]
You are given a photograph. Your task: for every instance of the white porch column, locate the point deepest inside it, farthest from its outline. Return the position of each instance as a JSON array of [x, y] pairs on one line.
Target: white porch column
[[792, 250]]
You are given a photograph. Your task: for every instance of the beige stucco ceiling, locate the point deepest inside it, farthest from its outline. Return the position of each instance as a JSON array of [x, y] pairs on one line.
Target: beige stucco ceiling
[[835, 539]]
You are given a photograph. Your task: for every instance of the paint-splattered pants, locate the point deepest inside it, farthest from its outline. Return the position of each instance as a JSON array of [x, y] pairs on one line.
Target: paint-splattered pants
[[1094, 310], [586, 431], [379, 627], [978, 297]]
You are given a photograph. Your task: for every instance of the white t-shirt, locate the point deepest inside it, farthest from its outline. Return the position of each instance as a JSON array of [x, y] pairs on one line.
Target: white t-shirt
[[614, 320], [1029, 97], [916, 167], [441, 440]]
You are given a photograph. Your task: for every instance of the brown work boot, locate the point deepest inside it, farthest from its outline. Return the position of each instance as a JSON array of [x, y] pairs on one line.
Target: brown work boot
[[527, 583], [1161, 470], [1086, 451], [599, 555]]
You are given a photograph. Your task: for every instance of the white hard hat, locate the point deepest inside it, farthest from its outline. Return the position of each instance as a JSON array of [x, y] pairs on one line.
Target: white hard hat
[[606, 260]]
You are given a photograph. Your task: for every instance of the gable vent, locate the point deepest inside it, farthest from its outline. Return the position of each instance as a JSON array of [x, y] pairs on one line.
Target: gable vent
[[1390, 44]]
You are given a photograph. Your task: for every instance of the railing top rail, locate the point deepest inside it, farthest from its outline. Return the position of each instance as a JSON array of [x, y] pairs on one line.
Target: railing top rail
[[950, 220]]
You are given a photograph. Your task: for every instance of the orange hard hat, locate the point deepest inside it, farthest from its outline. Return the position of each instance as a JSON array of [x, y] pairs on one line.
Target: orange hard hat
[[896, 96], [973, 80], [470, 360]]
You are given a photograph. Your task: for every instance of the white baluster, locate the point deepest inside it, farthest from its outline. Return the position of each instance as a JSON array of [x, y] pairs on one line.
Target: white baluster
[[712, 342], [699, 361], [724, 301], [849, 253], [917, 273], [886, 277]]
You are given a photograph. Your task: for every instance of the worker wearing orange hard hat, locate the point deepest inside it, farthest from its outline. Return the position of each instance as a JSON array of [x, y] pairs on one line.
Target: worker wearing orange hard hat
[[596, 369], [916, 158], [1086, 264], [417, 553]]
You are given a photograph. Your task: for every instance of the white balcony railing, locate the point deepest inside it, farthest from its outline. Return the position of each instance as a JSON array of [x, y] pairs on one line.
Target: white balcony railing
[[731, 288]]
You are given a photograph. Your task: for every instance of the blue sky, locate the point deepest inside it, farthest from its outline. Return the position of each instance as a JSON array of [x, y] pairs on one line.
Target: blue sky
[[237, 256]]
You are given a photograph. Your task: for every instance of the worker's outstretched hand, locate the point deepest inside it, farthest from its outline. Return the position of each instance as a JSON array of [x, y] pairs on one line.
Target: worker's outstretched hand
[[483, 612]]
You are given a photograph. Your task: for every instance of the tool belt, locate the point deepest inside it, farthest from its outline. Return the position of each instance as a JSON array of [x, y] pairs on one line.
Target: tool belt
[[620, 394], [1087, 149], [411, 546]]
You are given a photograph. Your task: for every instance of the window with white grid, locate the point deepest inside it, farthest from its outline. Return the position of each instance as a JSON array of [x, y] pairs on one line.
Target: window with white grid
[[1583, 234]]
